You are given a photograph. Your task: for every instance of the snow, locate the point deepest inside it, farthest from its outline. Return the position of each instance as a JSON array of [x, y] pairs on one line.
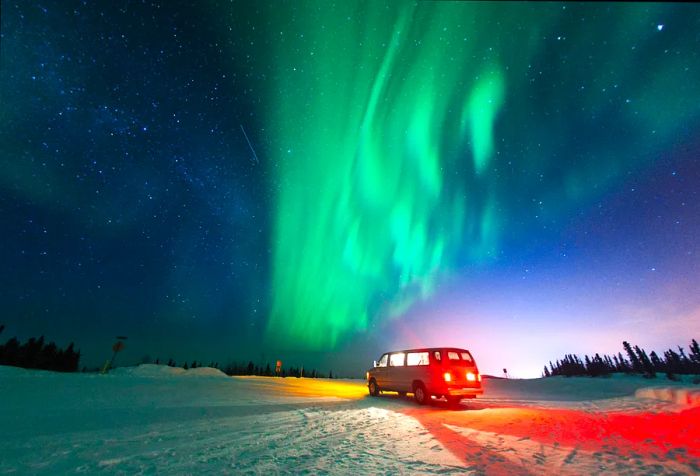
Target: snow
[[681, 396], [152, 370], [157, 419]]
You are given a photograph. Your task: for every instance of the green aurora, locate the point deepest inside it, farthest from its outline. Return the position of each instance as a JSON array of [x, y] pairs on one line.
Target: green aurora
[[410, 140]]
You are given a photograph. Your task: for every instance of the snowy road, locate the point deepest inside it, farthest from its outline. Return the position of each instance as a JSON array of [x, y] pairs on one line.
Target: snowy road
[[150, 421]]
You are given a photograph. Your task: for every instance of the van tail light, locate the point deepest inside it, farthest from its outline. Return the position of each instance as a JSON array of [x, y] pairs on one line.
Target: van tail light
[[448, 377], [471, 377]]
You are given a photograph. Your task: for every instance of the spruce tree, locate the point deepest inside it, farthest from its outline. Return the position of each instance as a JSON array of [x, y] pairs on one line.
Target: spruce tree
[[636, 363], [646, 363], [656, 362], [694, 351]]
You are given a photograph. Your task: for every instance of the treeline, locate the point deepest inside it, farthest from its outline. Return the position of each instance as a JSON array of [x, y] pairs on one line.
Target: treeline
[[37, 354], [633, 361], [252, 369]]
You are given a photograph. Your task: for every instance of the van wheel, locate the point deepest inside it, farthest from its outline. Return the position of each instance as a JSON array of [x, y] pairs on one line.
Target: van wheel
[[373, 388], [420, 394]]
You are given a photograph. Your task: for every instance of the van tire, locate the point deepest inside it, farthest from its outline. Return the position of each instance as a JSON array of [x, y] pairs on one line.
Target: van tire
[[420, 395], [373, 388]]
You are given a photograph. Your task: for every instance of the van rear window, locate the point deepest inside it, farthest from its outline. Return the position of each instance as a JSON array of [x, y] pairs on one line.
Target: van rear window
[[417, 358], [465, 356]]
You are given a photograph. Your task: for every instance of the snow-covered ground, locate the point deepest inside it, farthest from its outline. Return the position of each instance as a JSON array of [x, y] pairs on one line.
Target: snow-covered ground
[[159, 420]]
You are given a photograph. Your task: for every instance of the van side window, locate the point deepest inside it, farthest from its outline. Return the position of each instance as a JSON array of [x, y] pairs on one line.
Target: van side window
[[397, 360], [417, 358], [453, 355], [467, 356], [382, 362], [437, 355]]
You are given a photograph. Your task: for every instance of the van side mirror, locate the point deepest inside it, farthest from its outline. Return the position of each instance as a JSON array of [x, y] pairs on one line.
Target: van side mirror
[[375, 363]]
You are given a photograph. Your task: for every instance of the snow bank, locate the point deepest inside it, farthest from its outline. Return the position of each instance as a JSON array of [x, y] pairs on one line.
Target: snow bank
[[205, 372], [680, 396], [152, 370], [573, 389]]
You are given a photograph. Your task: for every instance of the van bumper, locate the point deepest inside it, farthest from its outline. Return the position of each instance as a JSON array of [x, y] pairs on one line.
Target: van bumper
[[464, 391]]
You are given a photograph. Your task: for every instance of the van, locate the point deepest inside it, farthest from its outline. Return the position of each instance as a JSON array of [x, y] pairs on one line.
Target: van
[[437, 372]]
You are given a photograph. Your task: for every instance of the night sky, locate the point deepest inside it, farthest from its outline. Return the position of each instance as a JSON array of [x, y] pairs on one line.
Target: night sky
[[322, 183]]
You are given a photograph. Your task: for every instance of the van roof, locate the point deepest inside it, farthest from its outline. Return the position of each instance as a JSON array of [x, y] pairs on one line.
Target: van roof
[[427, 349]]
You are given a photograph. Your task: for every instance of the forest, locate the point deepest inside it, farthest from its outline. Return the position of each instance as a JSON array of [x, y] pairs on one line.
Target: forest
[[634, 361]]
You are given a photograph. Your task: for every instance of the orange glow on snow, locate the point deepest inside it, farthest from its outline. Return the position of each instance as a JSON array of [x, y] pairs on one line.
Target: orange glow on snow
[[312, 387]]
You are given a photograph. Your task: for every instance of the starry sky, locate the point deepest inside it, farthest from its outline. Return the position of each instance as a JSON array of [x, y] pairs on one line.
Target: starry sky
[[324, 182]]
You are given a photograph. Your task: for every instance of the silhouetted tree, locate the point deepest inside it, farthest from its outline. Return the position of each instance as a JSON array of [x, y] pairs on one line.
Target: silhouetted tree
[[673, 363], [647, 366], [656, 363], [623, 365], [634, 359], [694, 351], [36, 354]]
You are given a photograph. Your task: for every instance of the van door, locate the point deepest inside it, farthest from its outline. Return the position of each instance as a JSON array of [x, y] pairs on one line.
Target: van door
[[381, 372], [417, 368], [397, 372]]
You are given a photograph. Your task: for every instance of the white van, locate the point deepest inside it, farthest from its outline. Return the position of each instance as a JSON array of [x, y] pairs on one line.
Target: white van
[[437, 372]]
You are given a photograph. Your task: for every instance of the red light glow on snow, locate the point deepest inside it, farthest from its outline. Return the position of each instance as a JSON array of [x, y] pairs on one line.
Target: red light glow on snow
[[566, 433]]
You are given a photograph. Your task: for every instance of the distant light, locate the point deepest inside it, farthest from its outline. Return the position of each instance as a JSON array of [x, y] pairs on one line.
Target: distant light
[[659, 27]]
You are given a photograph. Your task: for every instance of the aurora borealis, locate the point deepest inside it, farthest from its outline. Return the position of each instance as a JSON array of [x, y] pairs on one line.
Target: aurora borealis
[[404, 173], [307, 180]]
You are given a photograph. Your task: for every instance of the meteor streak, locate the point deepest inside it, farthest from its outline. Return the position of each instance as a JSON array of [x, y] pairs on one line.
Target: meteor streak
[[255, 156]]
